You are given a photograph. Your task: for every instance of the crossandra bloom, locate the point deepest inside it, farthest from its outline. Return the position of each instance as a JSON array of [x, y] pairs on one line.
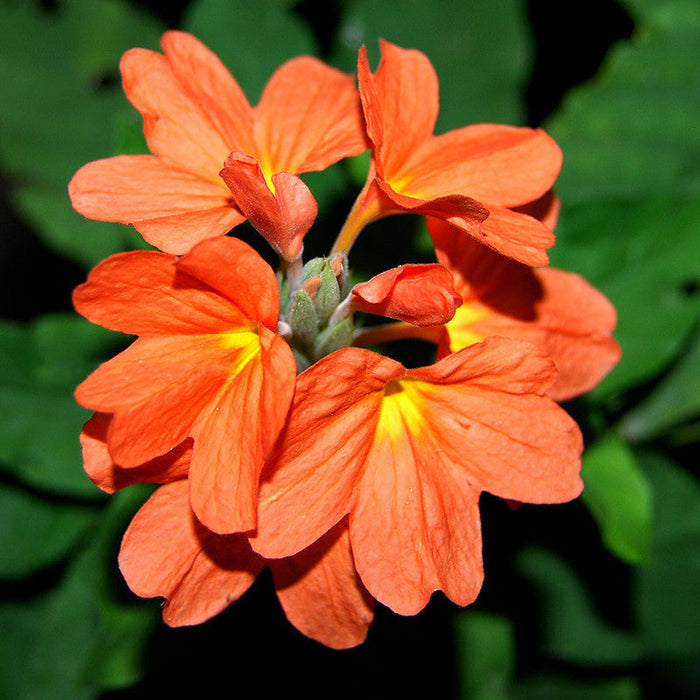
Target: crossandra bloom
[[217, 160], [167, 552], [555, 310], [207, 365], [477, 178], [405, 454], [275, 440]]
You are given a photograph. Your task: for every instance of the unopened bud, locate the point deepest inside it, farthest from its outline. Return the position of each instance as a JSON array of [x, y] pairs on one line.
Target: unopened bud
[[303, 319], [327, 296]]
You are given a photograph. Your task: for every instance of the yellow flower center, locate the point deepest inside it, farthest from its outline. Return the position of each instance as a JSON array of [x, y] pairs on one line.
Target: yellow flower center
[[461, 335], [246, 341], [402, 409]]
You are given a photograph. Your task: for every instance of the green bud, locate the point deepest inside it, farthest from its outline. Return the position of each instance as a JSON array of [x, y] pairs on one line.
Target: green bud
[[333, 338], [303, 319], [313, 268], [327, 296]]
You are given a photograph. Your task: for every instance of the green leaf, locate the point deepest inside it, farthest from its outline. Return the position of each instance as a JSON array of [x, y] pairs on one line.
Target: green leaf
[[619, 497], [630, 183], [51, 644], [571, 629], [37, 533], [665, 595], [559, 687], [42, 364], [60, 106], [674, 400], [251, 38], [485, 655], [481, 51], [644, 256], [632, 131]]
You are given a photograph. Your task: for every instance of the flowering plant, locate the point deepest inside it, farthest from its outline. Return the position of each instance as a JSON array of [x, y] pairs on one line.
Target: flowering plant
[[252, 397]]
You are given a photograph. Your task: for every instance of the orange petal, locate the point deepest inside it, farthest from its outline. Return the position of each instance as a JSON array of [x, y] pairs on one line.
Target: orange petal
[[141, 293], [545, 209], [155, 197], [210, 86], [517, 236], [237, 271], [110, 477], [400, 103], [415, 527], [511, 233], [499, 165], [308, 118], [176, 126], [321, 593], [284, 216], [231, 436], [156, 388], [557, 311], [521, 445], [165, 552], [307, 485], [419, 294]]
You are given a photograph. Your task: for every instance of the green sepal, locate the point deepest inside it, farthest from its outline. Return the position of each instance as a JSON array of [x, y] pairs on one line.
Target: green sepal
[[327, 296], [312, 268], [303, 320], [334, 338]]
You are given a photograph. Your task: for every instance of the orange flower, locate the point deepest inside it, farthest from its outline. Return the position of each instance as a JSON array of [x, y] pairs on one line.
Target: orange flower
[[196, 118], [557, 311], [406, 454], [207, 365], [474, 177], [167, 552]]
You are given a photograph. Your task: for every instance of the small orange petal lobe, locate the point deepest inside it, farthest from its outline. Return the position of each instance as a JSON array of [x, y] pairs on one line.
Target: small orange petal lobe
[[166, 552], [321, 593], [111, 477], [309, 117]]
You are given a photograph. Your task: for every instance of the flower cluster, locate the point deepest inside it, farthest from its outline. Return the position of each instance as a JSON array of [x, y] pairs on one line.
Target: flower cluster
[[250, 396]]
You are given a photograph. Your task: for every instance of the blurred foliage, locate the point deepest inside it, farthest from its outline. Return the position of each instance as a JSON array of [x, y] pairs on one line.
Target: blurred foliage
[[599, 598]]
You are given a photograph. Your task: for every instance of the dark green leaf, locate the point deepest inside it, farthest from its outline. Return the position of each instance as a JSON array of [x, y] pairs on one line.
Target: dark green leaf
[[619, 497], [644, 256], [36, 532], [666, 594], [481, 51], [674, 400], [560, 687], [54, 645], [485, 655], [42, 364], [632, 132], [571, 629], [60, 106], [252, 38]]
